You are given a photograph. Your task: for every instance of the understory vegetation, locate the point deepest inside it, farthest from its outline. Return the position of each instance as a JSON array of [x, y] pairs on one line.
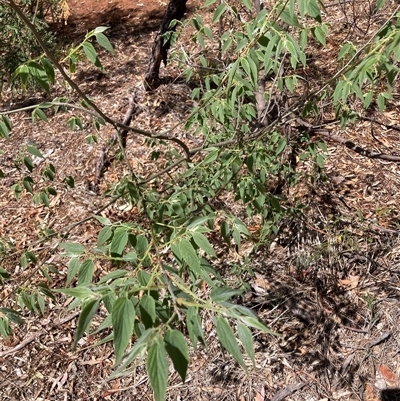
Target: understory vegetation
[[258, 120]]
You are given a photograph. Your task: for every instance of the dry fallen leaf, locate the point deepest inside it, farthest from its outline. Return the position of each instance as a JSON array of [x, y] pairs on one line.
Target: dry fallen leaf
[[351, 282], [259, 397], [369, 393], [388, 375]]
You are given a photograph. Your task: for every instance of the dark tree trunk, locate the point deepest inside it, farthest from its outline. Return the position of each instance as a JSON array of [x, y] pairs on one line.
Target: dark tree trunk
[[176, 10]]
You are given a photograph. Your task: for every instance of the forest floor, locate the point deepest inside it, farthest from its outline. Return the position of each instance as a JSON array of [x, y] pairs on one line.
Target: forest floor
[[329, 283]]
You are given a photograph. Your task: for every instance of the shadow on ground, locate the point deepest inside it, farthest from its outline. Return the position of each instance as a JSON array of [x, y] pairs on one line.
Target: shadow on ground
[[121, 21], [390, 395]]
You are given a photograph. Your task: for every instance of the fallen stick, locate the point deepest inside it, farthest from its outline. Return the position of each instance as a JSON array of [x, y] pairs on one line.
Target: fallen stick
[[103, 160], [282, 394], [37, 334]]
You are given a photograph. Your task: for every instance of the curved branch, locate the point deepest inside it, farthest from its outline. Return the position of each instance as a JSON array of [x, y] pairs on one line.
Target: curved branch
[[355, 148], [157, 136], [372, 120], [349, 144], [122, 125]]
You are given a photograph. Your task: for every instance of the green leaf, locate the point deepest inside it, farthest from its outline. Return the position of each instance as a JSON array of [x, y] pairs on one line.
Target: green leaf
[[72, 65], [281, 146], [103, 220], [140, 346], [322, 146], [344, 50], [236, 236], [38, 114], [34, 151], [254, 66], [157, 369], [45, 199], [86, 316], [381, 101], [23, 261], [7, 122], [189, 255], [368, 97], [27, 182], [211, 157], [246, 339], [51, 191], [104, 235], [70, 181], [203, 243], [72, 123], [123, 319], [144, 278], [12, 315], [227, 339], [4, 130], [86, 272], [320, 35], [142, 245], [73, 248], [218, 12], [178, 351], [275, 203], [113, 275], [73, 268], [256, 323], [248, 4], [48, 68], [208, 3], [5, 329], [119, 241], [4, 274], [290, 18], [223, 294], [380, 4], [99, 29], [39, 75], [23, 73], [225, 232], [41, 303], [17, 190], [28, 163], [320, 161], [78, 292], [147, 307], [104, 42], [193, 324], [197, 221], [91, 53]]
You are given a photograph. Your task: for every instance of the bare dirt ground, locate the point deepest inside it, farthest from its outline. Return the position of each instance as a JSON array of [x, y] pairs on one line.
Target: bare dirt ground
[[329, 283]]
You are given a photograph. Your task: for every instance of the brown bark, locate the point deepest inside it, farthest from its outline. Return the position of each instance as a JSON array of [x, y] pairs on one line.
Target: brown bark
[[175, 11]]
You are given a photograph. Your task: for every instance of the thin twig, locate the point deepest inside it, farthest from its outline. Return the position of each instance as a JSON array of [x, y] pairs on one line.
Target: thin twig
[[373, 120], [36, 335], [22, 344], [102, 160], [349, 144], [378, 340], [282, 394]]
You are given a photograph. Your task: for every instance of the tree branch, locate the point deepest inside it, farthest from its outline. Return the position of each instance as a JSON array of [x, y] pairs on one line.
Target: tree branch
[[343, 141]]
